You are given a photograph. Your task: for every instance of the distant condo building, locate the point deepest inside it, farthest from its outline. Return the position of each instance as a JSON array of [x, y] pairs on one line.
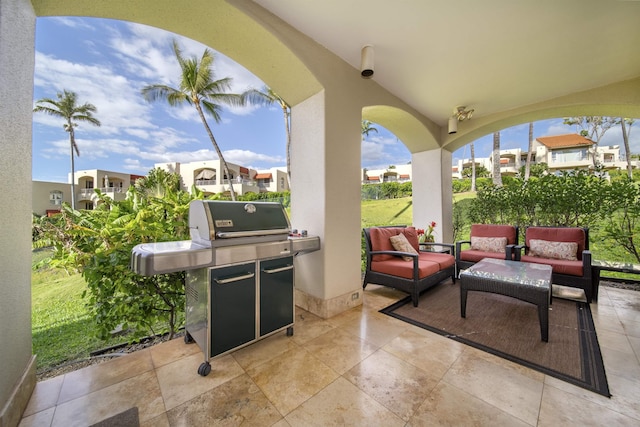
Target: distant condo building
[[207, 176], [560, 153]]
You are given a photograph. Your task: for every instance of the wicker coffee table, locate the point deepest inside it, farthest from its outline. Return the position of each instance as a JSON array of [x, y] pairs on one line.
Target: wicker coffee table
[[522, 280]]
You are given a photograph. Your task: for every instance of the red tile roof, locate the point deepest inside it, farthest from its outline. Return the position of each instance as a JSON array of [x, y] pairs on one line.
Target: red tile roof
[[565, 141], [263, 176], [373, 178]]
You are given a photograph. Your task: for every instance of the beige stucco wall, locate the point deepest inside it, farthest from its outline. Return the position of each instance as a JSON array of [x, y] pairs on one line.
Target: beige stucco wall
[[41, 192], [17, 32]]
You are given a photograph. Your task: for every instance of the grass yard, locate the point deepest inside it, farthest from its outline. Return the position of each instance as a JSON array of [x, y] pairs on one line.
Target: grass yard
[[61, 325]]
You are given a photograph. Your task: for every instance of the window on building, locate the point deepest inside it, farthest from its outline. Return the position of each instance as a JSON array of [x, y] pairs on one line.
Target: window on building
[[282, 182], [55, 198], [571, 155]]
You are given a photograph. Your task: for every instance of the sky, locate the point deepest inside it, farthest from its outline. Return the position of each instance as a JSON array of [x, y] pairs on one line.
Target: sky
[[107, 63]]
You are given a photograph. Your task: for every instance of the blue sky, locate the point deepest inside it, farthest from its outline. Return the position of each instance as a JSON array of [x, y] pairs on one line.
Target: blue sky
[[107, 63]]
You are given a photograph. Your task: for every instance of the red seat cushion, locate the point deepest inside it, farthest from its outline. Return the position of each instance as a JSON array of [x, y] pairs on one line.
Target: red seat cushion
[[443, 260], [476, 256], [558, 266], [396, 266]]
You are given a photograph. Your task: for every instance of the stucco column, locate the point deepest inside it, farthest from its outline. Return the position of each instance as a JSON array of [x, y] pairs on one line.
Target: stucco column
[[432, 192], [17, 42], [325, 168]]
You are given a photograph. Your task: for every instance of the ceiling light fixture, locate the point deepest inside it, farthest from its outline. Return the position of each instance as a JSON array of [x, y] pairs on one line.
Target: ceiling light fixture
[[366, 62], [460, 114]]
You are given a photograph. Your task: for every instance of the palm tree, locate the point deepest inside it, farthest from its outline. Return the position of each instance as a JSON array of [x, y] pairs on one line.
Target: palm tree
[[625, 138], [497, 178], [267, 96], [66, 108], [199, 88], [473, 168], [367, 128], [527, 168]]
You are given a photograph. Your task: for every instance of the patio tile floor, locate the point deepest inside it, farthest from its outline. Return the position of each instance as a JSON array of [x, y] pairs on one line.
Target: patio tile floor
[[358, 368]]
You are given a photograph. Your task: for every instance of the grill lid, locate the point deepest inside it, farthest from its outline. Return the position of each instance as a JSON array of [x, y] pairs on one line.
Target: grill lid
[[216, 219]]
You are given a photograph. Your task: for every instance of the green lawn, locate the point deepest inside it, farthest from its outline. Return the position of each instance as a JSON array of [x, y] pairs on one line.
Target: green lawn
[[61, 325]]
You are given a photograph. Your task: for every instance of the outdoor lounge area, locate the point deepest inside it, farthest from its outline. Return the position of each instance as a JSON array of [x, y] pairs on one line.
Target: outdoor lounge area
[[358, 368]]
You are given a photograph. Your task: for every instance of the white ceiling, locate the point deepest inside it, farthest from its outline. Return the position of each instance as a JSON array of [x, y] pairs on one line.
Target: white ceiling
[[490, 55]]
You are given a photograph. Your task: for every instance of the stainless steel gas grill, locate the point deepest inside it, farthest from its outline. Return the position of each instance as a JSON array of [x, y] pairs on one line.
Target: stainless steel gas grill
[[239, 264]]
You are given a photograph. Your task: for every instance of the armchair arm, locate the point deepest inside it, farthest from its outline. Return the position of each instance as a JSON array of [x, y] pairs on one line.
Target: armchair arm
[[459, 244], [509, 251], [517, 251], [586, 263]]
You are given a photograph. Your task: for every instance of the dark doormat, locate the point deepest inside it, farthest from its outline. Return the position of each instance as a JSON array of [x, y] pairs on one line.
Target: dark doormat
[[128, 418], [509, 328]]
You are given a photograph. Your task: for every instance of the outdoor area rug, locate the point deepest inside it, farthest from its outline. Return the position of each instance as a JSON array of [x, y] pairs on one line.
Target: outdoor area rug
[[509, 328]]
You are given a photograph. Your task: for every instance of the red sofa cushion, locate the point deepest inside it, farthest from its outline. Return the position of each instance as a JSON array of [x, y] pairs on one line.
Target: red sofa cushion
[[558, 234], [495, 230], [558, 266], [396, 266], [443, 260], [380, 240], [476, 256]]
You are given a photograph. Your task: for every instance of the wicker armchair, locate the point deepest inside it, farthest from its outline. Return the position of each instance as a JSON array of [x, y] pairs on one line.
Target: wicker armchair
[[385, 265]]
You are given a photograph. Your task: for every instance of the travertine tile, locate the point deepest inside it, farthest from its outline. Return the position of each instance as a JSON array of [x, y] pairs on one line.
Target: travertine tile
[[38, 419], [615, 341], [340, 350], [447, 405], [236, 402], [559, 408], [44, 396], [342, 404], [86, 380], [375, 328], [506, 387], [621, 363], [291, 378], [623, 394], [430, 352], [180, 382], [396, 384], [309, 326], [171, 351], [141, 391], [264, 350]]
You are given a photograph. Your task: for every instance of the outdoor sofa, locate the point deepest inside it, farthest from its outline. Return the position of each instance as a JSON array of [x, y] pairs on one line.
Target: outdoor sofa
[[486, 241], [566, 250], [410, 270]]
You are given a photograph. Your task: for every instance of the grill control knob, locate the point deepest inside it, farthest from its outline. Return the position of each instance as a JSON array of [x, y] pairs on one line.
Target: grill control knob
[[250, 208]]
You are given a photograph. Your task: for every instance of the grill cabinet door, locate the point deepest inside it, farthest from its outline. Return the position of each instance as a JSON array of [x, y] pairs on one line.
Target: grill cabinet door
[[276, 294], [233, 307]]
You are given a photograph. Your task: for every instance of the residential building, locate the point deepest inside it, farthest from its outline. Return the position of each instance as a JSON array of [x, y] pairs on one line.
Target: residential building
[[204, 176], [399, 173], [560, 153], [48, 196]]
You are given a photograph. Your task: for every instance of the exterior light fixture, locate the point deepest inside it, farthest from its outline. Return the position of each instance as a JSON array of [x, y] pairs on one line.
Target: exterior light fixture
[[366, 62], [460, 114]]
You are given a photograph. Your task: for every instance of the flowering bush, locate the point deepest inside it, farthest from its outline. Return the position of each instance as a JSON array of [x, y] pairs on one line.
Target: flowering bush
[[426, 235]]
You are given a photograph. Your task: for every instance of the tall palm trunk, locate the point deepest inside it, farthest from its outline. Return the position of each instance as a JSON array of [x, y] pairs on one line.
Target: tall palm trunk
[[287, 126], [215, 146], [497, 178], [625, 137], [527, 168], [72, 144], [473, 168]]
